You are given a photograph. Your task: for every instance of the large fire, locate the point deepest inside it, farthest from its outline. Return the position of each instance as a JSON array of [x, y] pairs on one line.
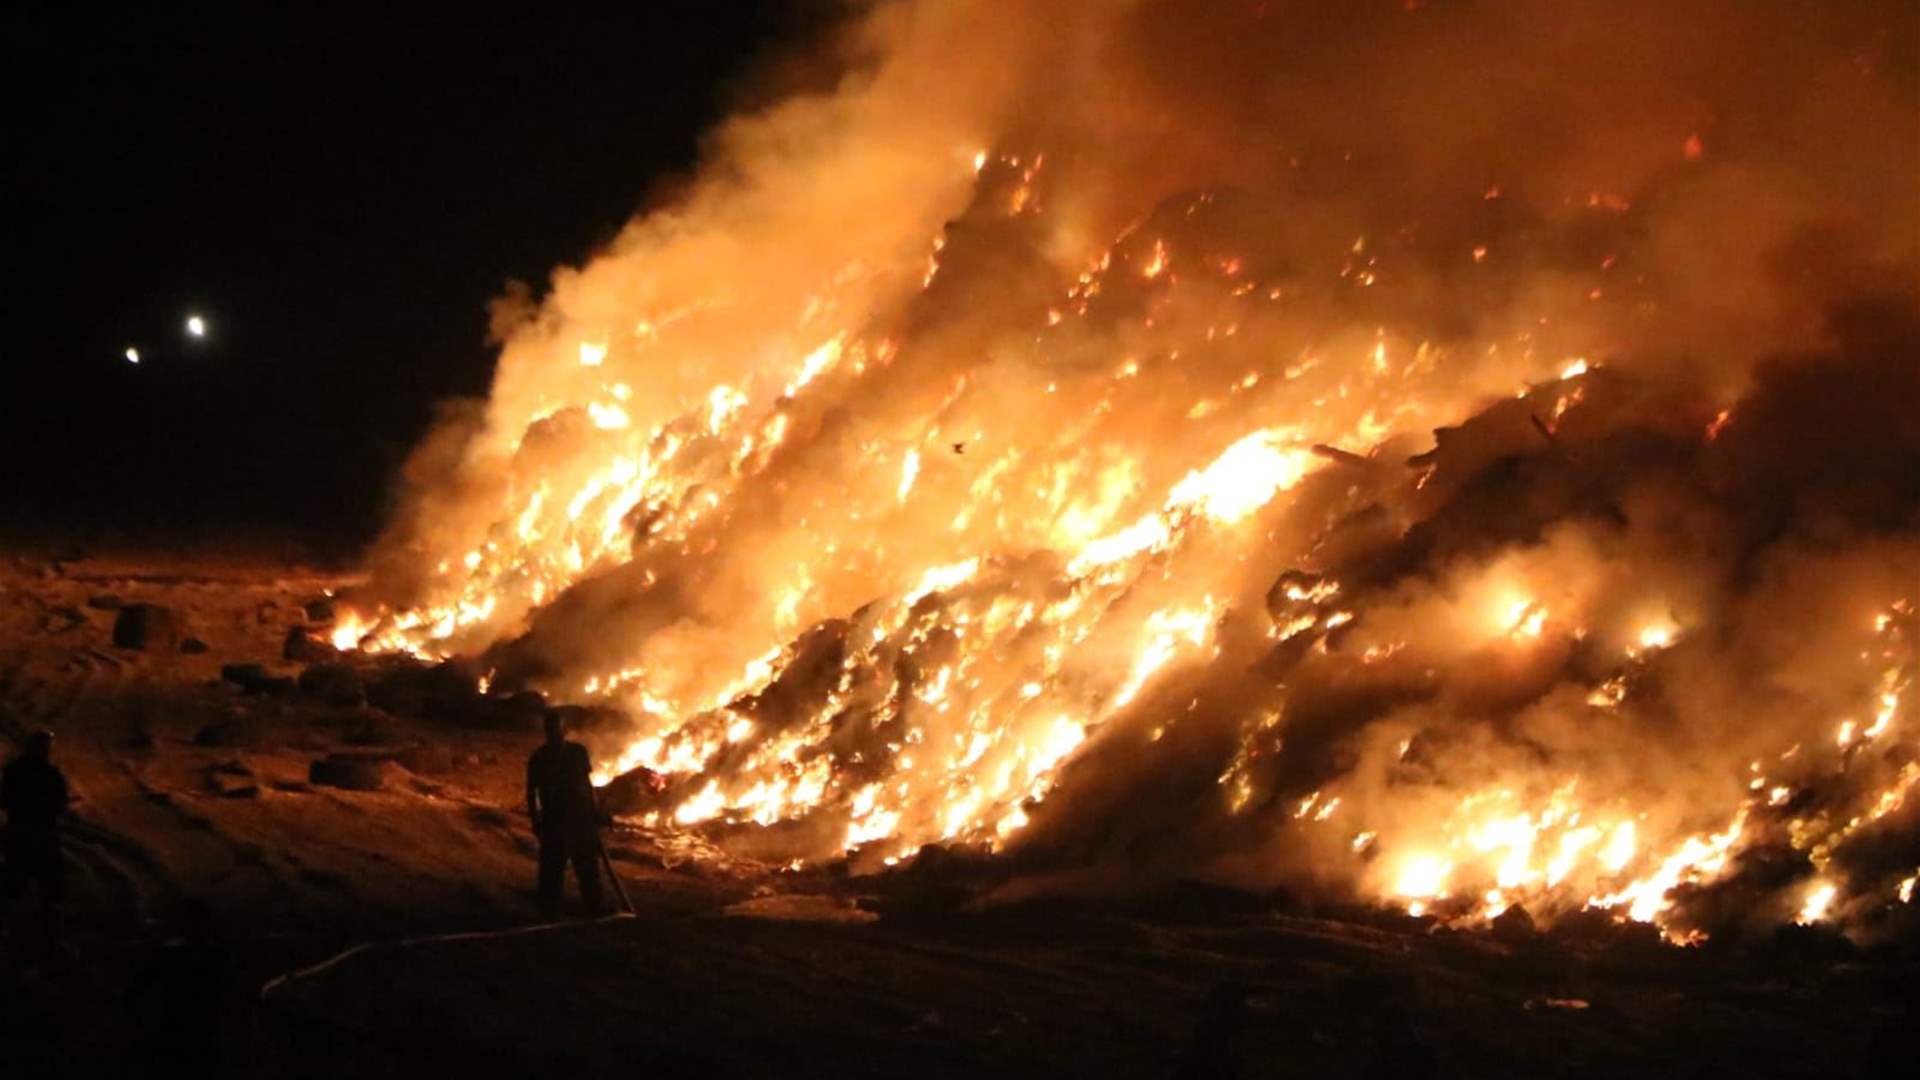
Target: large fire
[[1092, 454]]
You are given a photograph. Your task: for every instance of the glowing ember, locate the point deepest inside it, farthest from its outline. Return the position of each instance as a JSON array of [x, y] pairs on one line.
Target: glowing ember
[[1819, 898], [1422, 877]]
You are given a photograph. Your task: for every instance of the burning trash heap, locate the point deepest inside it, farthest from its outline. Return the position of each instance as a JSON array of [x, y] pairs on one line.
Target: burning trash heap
[[1444, 457]]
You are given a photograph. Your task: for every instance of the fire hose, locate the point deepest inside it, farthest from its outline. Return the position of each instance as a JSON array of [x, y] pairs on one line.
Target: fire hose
[[278, 981], [606, 862], [619, 889]]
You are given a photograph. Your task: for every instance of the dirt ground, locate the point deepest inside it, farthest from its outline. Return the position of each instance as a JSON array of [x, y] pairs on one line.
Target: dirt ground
[[191, 786]]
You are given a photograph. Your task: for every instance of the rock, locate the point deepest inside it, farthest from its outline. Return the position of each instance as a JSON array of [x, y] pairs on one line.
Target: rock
[[335, 684], [61, 619], [523, 712], [632, 792], [266, 613], [428, 788], [139, 626], [1514, 926], [319, 611], [350, 772], [254, 679], [233, 780], [429, 760], [373, 728], [244, 676], [406, 687], [234, 731], [933, 882], [1597, 928], [303, 646], [104, 602], [396, 692], [193, 646]]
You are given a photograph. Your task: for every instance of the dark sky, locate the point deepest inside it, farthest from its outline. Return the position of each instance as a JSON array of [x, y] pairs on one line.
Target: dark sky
[[339, 196]]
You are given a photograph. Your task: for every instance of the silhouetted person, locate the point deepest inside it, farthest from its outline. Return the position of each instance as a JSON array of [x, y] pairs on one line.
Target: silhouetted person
[[1213, 1051], [560, 802], [177, 999], [34, 794]]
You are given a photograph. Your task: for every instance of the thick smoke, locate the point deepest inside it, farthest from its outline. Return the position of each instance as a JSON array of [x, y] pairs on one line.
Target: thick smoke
[[1450, 453]]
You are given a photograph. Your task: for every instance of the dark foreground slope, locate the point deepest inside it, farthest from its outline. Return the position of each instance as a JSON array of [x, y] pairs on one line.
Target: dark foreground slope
[[1052, 993]]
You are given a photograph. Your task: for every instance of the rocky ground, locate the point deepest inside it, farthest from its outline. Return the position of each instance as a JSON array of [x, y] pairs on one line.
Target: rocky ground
[[209, 745]]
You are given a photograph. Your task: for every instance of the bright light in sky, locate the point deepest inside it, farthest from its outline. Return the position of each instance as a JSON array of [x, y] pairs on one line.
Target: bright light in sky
[[133, 355], [196, 326]]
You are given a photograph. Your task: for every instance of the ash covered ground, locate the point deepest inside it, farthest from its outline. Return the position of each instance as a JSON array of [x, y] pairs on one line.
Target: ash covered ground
[[195, 779]]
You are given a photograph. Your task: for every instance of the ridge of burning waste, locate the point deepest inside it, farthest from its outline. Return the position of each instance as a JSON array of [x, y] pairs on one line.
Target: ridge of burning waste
[[1143, 513]]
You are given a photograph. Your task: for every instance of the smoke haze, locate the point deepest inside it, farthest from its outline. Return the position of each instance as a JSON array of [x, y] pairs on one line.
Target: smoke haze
[[1448, 454]]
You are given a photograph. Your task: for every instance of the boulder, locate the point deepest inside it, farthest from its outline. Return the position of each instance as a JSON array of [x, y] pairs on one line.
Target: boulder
[[233, 780], [349, 772], [237, 730], [408, 688], [304, 647], [429, 760], [633, 792], [244, 676], [254, 679], [61, 619], [192, 646], [333, 683], [371, 727], [319, 611], [278, 686], [1514, 926], [523, 712], [141, 626]]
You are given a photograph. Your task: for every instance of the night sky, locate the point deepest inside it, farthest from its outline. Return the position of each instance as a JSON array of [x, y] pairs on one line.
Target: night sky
[[339, 197]]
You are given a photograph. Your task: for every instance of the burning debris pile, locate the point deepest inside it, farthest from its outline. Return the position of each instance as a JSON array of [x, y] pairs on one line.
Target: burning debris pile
[[1447, 456]]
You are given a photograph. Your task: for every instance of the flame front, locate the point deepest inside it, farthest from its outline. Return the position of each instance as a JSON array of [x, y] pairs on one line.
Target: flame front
[[1049, 496]]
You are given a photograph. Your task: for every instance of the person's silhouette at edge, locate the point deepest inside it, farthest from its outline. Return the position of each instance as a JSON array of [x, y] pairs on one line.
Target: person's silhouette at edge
[[560, 803], [177, 998], [34, 794]]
